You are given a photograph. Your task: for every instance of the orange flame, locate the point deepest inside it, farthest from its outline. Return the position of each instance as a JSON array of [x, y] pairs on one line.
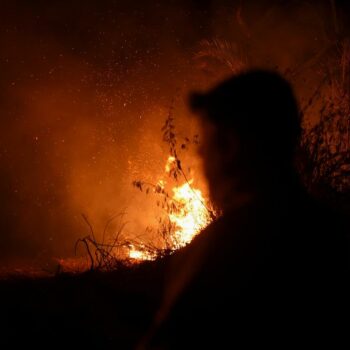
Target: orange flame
[[169, 164], [193, 215], [190, 219], [139, 254]]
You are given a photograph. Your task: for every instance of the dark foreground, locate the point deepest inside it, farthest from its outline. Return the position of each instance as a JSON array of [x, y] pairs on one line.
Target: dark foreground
[[95, 310]]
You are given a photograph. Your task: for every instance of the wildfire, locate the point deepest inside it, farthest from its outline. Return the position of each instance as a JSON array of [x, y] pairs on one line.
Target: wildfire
[[139, 254], [189, 217], [192, 216]]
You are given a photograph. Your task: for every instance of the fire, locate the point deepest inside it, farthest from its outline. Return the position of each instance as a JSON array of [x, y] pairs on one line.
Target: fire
[[169, 164], [193, 215], [189, 217], [139, 254]]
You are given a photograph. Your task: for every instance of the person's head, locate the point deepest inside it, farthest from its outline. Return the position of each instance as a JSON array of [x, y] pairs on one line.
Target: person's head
[[251, 128]]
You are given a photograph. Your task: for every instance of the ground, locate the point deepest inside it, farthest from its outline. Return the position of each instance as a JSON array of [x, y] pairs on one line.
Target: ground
[[91, 310]]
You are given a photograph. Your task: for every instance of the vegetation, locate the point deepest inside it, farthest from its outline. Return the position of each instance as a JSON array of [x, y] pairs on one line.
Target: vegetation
[[115, 251], [327, 144]]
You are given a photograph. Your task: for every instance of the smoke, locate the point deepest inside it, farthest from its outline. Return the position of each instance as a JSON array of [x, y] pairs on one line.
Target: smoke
[[81, 110], [85, 88]]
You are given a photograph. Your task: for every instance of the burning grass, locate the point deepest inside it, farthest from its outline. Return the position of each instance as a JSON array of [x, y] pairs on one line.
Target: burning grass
[[184, 212]]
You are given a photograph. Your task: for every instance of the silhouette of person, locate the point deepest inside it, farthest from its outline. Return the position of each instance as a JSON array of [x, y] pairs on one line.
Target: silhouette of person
[[274, 268]]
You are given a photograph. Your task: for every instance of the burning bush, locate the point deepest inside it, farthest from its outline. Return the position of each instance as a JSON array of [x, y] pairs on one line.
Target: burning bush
[[184, 212]]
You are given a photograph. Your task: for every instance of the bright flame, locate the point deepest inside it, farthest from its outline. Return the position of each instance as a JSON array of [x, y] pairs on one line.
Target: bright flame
[[138, 254], [169, 164], [189, 218], [193, 215]]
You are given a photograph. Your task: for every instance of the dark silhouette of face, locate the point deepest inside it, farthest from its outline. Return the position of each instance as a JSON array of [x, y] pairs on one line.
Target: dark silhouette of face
[[220, 153], [250, 128]]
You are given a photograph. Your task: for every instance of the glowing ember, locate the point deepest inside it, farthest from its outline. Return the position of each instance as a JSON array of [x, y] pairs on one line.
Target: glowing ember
[[192, 217]]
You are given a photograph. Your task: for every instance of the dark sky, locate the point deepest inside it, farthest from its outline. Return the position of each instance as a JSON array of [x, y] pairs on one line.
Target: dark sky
[[86, 85]]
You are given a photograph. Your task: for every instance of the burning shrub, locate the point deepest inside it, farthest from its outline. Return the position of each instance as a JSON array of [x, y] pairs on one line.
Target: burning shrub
[[184, 213], [186, 210]]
